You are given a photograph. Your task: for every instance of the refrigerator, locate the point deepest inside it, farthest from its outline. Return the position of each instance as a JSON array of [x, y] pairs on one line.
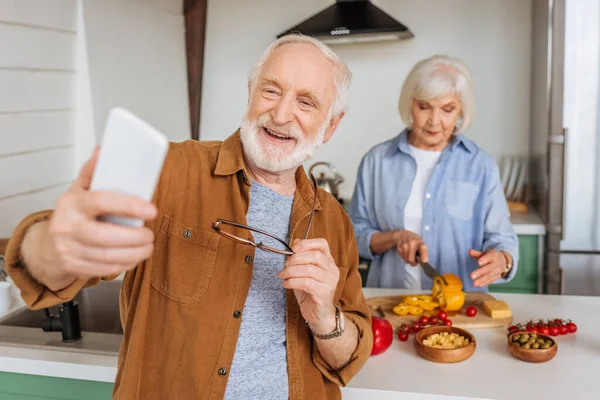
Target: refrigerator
[[565, 141]]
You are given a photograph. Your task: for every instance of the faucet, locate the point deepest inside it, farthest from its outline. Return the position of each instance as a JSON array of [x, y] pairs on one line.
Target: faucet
[[66, 321]]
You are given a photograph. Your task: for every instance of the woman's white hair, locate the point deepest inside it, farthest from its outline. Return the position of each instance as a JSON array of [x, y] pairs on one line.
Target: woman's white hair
[[343, 76], [434, 77]]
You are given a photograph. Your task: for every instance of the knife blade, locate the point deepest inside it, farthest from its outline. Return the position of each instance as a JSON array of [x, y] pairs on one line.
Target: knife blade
[[429, 270]]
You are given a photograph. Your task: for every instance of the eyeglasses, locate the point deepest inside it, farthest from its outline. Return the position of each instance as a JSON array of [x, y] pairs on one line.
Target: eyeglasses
[[217, 227]]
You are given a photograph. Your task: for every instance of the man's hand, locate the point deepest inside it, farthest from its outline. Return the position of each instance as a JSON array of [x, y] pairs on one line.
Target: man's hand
[[81, 246], [492, 265], [313, 276]]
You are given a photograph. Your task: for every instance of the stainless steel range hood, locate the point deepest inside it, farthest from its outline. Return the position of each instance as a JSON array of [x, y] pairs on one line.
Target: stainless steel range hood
[[351, 21]]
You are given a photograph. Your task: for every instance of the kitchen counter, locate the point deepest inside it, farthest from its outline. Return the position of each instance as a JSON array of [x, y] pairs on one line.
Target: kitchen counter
[[529, 223], [492, 373], [399, 373]]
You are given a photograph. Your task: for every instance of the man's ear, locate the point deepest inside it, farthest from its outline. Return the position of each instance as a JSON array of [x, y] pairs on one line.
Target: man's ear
[[333, 124]]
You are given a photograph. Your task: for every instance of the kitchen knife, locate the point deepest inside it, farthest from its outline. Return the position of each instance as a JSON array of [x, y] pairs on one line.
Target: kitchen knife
[[429, 270]]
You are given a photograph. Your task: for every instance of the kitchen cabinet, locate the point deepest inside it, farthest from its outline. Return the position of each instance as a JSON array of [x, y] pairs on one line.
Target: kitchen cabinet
[[526, 280], [36, 387]]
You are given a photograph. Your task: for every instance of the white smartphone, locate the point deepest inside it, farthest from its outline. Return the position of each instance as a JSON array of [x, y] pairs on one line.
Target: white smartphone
[[131, 158]]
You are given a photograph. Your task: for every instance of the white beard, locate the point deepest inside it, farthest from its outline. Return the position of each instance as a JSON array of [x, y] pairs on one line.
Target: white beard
[[270, 157]]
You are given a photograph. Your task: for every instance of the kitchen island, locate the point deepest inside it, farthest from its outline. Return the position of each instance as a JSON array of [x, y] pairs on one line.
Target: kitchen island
[[399, 373]]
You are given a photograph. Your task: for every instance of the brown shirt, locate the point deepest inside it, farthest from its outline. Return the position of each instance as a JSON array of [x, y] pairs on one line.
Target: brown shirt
[[178, 308]]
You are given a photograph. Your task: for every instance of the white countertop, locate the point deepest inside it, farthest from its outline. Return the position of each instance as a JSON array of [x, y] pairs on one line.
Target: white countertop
[[492, 372], [399, 373], [529, 223]]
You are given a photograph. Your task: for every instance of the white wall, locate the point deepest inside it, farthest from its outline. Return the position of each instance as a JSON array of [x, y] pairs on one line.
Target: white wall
[[63, 65], [132, 54], [493, 37], [37, 102]]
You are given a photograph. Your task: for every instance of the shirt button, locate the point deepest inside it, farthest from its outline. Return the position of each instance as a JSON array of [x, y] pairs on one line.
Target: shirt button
[[187, 233], [222, 371], [236, 314], [427, 227], [428, 196], [248, 259]]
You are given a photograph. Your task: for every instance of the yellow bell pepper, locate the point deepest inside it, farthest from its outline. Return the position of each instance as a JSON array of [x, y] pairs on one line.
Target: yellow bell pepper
[[450, 297], [401, 309], [405, 309]]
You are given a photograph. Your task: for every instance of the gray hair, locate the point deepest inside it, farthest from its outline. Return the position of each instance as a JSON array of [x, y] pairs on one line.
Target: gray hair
[[343, 75], [437, 76]]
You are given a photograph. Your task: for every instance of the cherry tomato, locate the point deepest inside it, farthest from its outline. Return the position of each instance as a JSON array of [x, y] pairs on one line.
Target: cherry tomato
[[448, 322], [424, 320], [513, 329], [442, 315], [471, 311], [433, 320], [402, 336], [554, 331], [416, 328], [544, 330], [532, 329], [572, 327], [563, 329]]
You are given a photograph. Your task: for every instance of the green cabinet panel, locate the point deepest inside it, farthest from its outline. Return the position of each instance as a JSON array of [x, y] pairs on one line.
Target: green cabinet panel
[[526, 278], [35, 387]]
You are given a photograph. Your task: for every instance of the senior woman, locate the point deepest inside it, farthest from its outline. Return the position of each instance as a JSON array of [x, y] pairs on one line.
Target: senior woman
[[432, 191]]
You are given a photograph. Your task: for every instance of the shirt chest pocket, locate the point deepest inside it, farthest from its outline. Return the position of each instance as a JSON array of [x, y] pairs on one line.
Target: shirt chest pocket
[[460, 199], [183, 261]]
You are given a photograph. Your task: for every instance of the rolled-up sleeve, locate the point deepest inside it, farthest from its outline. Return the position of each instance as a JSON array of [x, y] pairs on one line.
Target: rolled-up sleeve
[[36, 295], [361, 206], [354, 306], [499, 233]]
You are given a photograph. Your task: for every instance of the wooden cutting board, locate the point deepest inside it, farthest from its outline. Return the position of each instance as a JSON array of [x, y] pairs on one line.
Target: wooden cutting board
[[382, 307]]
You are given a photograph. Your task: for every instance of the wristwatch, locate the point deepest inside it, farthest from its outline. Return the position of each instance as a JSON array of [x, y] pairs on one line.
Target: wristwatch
[[509, 264], [339, 326]]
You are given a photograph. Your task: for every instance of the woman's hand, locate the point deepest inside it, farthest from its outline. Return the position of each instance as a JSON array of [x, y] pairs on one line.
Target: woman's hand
[[492, 265], [407, 245]]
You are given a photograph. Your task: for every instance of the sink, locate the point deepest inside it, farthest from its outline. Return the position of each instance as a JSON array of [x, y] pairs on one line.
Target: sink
[[98, 310], [99, 317]]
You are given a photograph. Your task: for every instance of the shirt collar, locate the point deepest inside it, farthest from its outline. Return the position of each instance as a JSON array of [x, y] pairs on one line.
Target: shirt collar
[[400, 143], [231, 160]]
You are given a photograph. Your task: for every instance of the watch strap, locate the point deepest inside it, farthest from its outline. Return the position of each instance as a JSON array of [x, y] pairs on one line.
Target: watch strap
[[339, 326]]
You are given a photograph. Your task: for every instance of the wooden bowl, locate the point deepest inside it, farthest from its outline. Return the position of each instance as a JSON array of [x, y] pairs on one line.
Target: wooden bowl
[[532, 355], [444, 355]]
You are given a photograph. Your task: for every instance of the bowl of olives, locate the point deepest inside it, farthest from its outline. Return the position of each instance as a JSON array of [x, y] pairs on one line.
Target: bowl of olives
[[532, 347]]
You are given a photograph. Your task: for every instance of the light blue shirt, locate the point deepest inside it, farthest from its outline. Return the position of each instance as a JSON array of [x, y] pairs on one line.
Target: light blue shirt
[[464, 208]]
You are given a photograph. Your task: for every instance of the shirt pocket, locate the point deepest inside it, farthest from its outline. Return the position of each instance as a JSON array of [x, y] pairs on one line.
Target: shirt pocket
[[460, 199], [183, 261], [341, 283]]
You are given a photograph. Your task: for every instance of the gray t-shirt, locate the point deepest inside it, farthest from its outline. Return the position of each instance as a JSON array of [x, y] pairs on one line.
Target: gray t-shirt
[[259, 368]]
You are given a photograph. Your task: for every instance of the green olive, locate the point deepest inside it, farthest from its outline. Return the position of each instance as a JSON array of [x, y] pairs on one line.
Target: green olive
[[549, 342], [533, 335], [523, 339], [545, 346], [535, 346], [526, 346], [516, 337], [540, 341]]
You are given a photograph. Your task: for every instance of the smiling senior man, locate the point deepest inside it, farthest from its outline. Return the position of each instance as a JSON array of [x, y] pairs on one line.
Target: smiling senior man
[[244, 282]]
